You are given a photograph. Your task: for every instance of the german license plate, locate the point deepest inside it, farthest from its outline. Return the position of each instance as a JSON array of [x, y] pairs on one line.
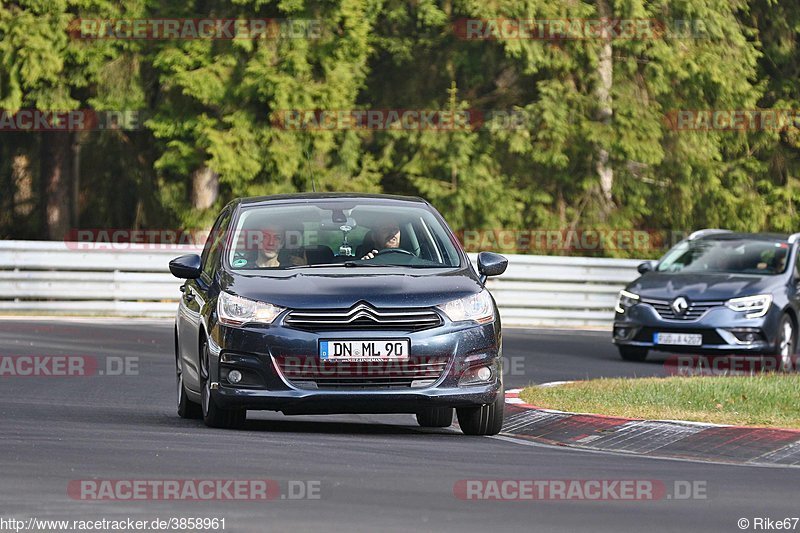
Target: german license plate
[[364, 350], [680, 339]]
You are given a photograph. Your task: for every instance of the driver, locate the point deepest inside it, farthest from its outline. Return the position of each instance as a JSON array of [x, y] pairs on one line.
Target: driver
[[386, 236]]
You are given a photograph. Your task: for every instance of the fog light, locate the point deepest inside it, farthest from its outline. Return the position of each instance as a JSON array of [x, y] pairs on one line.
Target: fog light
[[477, 375], [746, 335], [234, 376], [624, 333]]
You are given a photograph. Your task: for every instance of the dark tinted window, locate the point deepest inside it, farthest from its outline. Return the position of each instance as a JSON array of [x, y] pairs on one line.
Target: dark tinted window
[[734, 256]]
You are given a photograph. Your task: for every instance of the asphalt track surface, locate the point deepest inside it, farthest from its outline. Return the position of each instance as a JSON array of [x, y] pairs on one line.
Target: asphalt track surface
[[374, 473]]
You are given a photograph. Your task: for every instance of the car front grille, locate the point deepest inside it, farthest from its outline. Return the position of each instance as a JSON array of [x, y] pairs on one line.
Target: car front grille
[[311, 373], [363, 316], [693, 312]]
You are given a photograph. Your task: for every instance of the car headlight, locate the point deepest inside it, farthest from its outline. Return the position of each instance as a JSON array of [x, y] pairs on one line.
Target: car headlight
[[625, 300], [477, 307], [754, 306], [237, 311]]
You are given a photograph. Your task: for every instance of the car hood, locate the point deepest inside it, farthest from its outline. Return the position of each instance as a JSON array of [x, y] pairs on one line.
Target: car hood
[[698, 286], [315, 289]]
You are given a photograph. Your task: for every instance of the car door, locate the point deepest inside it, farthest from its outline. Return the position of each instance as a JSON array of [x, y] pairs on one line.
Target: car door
[[794, 284], [195, 295]]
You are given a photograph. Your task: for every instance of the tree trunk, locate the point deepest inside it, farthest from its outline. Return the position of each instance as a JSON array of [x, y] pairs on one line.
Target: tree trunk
[[76, 180], [23, 185], [55, 172], [605, 73], [205, 187]]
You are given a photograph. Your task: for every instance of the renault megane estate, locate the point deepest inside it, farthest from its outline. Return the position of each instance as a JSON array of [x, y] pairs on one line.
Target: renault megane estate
[[715, 292], [338, 303]]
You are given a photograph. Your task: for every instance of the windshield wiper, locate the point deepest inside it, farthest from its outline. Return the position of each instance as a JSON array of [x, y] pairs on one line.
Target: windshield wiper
[[346, 264]]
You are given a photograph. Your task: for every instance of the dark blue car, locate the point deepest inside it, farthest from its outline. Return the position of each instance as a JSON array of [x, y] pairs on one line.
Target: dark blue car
[[717, 292], [338, 303]]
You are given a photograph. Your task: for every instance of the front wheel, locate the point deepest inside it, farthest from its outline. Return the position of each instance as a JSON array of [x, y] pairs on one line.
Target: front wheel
[[485, 419], [632, 353], [435, 417], [213, 415]]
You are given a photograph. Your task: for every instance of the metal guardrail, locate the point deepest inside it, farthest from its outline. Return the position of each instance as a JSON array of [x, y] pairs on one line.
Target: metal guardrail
[[74, 279]]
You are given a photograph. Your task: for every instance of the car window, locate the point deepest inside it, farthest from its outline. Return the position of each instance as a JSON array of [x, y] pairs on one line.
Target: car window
[[797, 267], [215, 243], [371, 233], [734, 256]]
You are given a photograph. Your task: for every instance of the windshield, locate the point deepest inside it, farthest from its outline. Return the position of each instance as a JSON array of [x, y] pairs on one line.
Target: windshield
[[733, 256], [349, 233]]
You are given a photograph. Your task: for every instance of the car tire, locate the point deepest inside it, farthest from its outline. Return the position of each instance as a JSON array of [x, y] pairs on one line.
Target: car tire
[[435, 417], [632, 353], [186, 407], [215, 416], [787, 344], [485, 419]]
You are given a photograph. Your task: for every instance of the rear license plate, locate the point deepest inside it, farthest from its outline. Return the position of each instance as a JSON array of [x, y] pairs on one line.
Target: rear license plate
[[364, 350], [681, 339]]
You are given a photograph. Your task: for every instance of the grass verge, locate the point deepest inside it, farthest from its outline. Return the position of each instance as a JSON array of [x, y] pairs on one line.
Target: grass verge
[[761, 400]]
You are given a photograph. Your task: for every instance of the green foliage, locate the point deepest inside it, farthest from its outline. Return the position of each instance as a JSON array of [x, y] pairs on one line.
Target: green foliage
[[218, 103]]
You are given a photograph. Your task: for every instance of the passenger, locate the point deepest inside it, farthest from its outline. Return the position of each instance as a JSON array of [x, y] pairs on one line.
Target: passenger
[[271, 253]]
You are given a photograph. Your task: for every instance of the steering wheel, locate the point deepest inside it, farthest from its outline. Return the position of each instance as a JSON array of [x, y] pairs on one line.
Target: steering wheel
[[395, 251]]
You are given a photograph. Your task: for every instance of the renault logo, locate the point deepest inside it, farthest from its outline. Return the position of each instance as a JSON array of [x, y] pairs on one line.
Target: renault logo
[[679, 305]]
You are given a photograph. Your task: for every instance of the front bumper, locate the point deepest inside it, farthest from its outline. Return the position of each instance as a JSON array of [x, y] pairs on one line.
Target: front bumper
[[257, 351], [722, 330], [374, 401]]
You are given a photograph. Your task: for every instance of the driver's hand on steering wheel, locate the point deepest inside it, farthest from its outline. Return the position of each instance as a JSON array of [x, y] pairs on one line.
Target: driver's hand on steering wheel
[[370, 255]]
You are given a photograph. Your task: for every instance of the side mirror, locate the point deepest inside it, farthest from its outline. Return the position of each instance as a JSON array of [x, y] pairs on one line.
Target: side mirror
[[186, 266], [645, 267], [490, 264]]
